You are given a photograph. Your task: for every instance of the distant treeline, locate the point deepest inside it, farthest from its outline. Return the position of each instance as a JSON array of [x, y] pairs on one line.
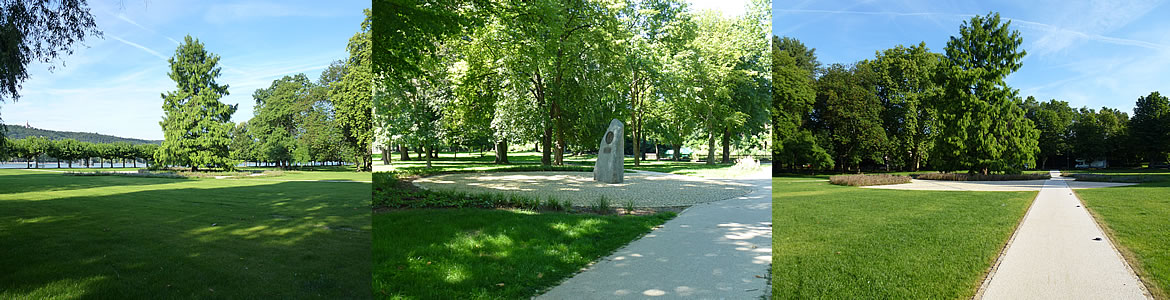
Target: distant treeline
[[908, 108], [20, 132], [67, 151]]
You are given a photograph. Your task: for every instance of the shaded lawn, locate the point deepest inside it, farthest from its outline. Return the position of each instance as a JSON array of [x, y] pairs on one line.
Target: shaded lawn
[[123, 237], [837, 242], [491, 254], [1138, 218]]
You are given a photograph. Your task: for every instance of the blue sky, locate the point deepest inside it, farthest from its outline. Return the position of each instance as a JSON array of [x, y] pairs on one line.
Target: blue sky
[[1089, 53], [113, 85]]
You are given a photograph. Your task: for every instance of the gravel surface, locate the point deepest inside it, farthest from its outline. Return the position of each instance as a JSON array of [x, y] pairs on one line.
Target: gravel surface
[[1013, 185], [645, 189]]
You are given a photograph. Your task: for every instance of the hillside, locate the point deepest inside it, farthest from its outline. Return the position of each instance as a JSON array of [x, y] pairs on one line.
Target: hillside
[[18, 132]]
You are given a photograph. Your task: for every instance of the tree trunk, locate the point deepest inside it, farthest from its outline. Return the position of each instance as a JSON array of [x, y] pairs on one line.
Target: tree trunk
[[386, 155], [710, 148], [428, 155], [635, 113], [546, 146], [58, 163], [677, 148], [502, 152], [559, 155], [726, 145], [403, 153]]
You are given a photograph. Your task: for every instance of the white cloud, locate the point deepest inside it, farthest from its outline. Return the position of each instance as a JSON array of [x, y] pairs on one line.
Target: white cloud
[[136, 45]]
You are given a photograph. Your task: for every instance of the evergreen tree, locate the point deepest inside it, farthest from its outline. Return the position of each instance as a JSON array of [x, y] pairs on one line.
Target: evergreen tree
[[196, 126], [983, 128]]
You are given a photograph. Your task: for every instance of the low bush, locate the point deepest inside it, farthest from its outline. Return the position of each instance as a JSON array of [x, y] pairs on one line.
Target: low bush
[[981, 177], [746, 164], [1112, 178], [864, 180], [601, 206]]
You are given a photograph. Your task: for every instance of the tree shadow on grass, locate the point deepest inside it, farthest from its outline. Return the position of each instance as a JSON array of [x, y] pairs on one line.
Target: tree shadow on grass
[[281, 240], [490, 254]]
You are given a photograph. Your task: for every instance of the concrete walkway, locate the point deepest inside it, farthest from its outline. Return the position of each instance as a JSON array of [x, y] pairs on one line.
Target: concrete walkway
[[715, 250], [1054, 255]]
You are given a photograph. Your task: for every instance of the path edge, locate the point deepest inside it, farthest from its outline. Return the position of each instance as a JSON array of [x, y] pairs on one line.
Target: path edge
[[1003, 250], [1145, 281]]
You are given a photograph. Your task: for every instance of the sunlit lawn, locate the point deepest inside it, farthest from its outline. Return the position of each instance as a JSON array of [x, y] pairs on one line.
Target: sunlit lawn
[[838, 242], [1138, 218], [158, 238], [490, 254]]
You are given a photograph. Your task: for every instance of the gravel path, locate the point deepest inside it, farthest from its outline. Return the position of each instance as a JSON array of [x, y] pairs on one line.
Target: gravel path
[[1010, 185], [646, 189]]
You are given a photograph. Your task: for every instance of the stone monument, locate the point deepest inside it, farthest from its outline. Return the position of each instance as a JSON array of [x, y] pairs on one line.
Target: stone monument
[[611, 155]]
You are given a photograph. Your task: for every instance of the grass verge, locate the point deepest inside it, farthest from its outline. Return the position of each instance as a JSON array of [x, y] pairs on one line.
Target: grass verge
[[1138, 218], [491, 254], [838, 242]]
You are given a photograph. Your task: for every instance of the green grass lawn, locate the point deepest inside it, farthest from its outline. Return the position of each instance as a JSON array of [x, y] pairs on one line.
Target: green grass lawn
[[158, 238], [838, 242], [1138, 218], [491, 254]]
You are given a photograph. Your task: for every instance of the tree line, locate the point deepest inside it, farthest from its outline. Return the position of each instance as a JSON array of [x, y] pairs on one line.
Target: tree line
[[295, 120], [909, 109], [490, 74], [38, 149]]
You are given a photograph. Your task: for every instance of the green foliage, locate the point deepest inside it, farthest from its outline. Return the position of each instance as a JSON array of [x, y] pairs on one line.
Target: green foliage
[[1151, 127], [848, 115], [793, 96], [554, 73], [982, 124], [196, 126], [1053, 119], [40, 31], [275, 125], [904, 86], [602, 205], [352, 98]]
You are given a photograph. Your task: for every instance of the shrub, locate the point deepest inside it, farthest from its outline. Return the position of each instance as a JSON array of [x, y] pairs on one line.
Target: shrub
[[746, 164], [601, 206], [1111, 178], [981, 177], [864, 180]]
